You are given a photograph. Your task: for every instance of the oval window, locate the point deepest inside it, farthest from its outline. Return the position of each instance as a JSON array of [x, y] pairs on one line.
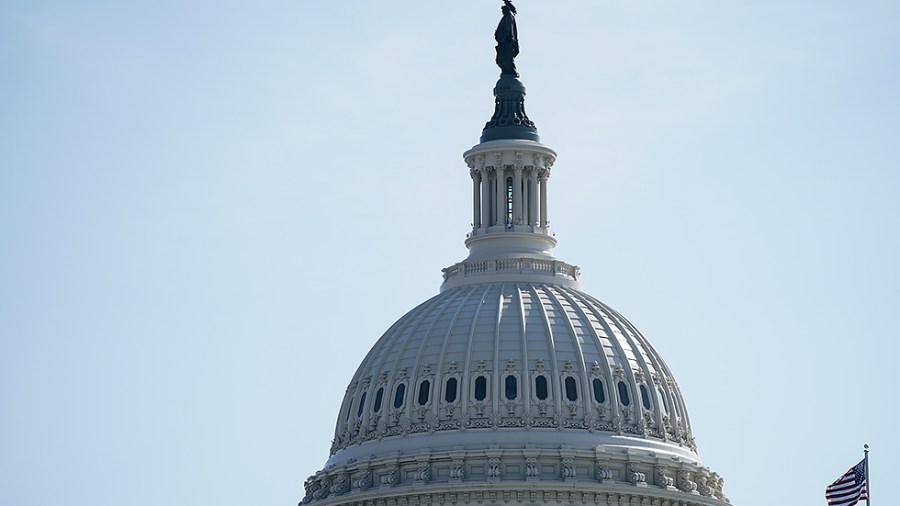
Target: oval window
[[512, 388], [424, 391], [480, 388], [362, 404], [623, 394], [540, 387], [450, 390], [599, 395], [379, 396], [399, 394], [661, 398], [645, 397], [571, 389]]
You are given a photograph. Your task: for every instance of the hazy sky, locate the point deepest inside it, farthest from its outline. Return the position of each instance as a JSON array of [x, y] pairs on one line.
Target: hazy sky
[[210, 210]]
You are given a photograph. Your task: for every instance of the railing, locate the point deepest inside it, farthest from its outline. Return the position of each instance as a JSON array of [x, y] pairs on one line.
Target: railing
[[518, 265]]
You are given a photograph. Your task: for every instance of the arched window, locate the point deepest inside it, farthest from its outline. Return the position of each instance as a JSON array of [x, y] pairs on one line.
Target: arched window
[[599, 394], [512, 388], [379, 396], [399, 395], [571, 389], [362, 404], [424, 391], [645, 397], [623, 394], [540, 387], [450, 390], [480, 388]]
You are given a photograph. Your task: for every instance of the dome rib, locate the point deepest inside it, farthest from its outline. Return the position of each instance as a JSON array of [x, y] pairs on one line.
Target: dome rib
[[439, 374], [577, 348], [606, 322], [604, 359], [396, 329], [525, 380], [678, 408], [644, 356], [469, 348], [418, 374], [554, 381], [639, 358]]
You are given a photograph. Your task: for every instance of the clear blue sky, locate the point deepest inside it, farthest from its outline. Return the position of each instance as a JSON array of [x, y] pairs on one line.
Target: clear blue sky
[[209, 211]]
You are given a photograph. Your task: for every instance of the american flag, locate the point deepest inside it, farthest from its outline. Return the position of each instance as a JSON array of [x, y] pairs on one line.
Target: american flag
[[850, 488]]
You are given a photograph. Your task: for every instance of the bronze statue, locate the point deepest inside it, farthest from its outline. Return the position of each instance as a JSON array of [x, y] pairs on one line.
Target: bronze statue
[[507, 37]]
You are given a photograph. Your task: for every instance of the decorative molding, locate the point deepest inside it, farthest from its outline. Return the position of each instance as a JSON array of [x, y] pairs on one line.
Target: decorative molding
[[439, 470]]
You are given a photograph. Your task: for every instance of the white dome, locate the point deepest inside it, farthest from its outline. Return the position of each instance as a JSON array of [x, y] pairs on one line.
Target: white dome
[[512, 357]]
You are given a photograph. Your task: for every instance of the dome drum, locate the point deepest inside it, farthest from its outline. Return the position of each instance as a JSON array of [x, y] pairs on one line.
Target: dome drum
[[518, 475]]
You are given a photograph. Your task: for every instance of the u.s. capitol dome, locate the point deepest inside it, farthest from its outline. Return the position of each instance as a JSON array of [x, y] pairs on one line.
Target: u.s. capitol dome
[[512, 385]]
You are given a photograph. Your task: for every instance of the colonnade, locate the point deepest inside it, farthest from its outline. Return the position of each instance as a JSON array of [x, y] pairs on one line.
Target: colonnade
[[508, 196]]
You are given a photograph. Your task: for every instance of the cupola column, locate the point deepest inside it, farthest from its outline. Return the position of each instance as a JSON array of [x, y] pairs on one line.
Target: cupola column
[[501, 194], [533, 196], [517, 195], [543, 176], [476, 198], [485, 196]]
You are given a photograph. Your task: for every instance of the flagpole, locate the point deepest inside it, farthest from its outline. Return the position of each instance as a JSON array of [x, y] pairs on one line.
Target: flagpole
[[868, 482]]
